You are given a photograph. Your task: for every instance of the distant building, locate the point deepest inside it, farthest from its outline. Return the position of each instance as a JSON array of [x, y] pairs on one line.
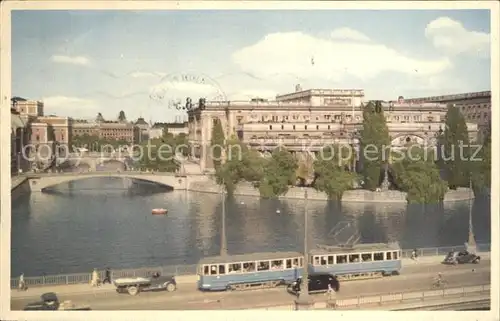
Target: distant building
[[144, 129], [309, 120], [475, 106], [177, 128]]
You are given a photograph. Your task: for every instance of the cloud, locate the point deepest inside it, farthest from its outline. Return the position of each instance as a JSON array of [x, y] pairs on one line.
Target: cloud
[[75, 60], [328, 59], [180, 90], [348, 34], [141, 74], [451, 37], [69, 106]]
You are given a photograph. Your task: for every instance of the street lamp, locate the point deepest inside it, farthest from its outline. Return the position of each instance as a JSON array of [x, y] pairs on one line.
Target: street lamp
[[471, 242], [304, 301], [223, 242]]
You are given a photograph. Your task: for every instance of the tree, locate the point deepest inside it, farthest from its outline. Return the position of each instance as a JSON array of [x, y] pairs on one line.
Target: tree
[[121, 117], [99, 118], [375, 144], [279, 173], [418, 176], [455, 140], [217, 144], [159, 154], [481, 167], [241, 164], [331, 176]]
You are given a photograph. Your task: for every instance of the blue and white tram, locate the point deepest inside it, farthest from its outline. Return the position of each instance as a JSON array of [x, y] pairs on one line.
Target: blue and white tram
[[249, 271], [361, 261]]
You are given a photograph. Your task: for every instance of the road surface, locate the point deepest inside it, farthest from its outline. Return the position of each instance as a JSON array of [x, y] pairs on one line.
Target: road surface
[[187, 297]]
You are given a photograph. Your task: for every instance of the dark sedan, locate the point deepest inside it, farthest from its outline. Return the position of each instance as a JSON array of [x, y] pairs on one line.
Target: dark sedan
[[461, 257]]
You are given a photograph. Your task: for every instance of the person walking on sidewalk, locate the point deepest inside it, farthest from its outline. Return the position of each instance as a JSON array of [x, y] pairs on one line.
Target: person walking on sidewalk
[[107, 276], [22, 284], [95, 278]]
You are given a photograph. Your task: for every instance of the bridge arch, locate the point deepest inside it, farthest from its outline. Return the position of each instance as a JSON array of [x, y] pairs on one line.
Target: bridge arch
[[42, 182]]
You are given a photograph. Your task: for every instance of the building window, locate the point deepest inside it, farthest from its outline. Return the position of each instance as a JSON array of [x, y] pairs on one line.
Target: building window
[[317, 127], [282, 126], [293, 127], [328, 127], [37, 138], [305, 126], [270, 126]]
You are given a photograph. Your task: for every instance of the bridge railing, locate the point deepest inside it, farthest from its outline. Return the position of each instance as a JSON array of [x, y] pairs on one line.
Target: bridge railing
[[180, 270], [419, 298]]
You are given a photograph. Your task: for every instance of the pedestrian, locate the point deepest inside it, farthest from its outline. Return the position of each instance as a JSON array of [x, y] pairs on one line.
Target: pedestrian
[[330, 291], [22, 284], [95, 278], [107, 276]]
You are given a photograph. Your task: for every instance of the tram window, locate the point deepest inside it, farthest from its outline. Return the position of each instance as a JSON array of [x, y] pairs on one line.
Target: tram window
[[378, 256], [206, 270], [295, 263], [354, 258], [289, 263], [331, 260], [366, 257], [341, 259], [248, 267], [324, 260], [388, 255], [234, 268], [263, 266], [222, 269], [213, 270], [316, 260], [277, 265], [395, 255]]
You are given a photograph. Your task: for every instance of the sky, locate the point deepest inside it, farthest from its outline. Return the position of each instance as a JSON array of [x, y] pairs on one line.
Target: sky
[[143, 62]]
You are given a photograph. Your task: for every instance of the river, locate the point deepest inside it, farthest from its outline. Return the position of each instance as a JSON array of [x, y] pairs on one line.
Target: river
[[107, 222]]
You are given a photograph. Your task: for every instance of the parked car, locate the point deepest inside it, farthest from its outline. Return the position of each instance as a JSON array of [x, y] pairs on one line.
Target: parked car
[[318, 283], [461, 257], [50, 302], [134, 286]]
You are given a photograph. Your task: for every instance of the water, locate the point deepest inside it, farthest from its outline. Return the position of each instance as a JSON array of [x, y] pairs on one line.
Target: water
[[100, 222]]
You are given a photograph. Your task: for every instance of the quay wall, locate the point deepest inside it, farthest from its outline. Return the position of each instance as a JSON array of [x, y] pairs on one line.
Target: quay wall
[[352, 196]]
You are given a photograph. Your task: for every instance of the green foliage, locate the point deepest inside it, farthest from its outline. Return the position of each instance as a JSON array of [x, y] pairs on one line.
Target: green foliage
[[375, 143], [279, 173], [159, 154], [217, 144], [454, 139], [121, 116], [241, 164], [418, 175], [331, 177], [481, 167]]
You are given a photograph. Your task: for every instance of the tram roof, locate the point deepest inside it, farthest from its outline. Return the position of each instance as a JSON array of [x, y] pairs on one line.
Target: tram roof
[[250, 257], [356, 248]]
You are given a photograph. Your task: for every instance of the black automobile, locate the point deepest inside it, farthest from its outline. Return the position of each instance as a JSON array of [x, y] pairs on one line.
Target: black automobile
[[156, 282], [318, 283], [50, 302], [461, 257]]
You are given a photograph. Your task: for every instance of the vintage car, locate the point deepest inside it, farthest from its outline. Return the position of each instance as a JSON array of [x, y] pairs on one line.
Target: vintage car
[[50, 302], [135, 285], [461, 257], [318, 283]]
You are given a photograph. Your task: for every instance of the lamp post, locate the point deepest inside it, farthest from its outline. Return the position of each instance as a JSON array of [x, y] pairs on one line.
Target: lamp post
[[471, 242], [304, 301], [223, 242]]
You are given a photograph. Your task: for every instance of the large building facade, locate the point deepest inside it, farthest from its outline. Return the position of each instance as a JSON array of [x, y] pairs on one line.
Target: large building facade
[[475, 106], [307, 120]]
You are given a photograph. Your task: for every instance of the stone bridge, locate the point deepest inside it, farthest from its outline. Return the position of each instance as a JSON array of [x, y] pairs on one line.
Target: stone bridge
[[39, 182], [93, 161]]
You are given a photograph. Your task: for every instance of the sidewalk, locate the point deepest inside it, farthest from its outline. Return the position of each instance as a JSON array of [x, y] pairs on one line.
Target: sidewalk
[[424, 260], [61, 290]]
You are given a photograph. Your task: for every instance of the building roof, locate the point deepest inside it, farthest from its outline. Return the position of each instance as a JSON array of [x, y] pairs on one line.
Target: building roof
[[141, 121]]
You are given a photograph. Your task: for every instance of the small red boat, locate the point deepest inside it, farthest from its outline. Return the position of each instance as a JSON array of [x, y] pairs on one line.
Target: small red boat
[[159, 211]]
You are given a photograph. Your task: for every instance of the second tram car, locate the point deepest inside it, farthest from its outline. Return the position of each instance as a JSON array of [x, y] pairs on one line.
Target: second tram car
[[360, 261]]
